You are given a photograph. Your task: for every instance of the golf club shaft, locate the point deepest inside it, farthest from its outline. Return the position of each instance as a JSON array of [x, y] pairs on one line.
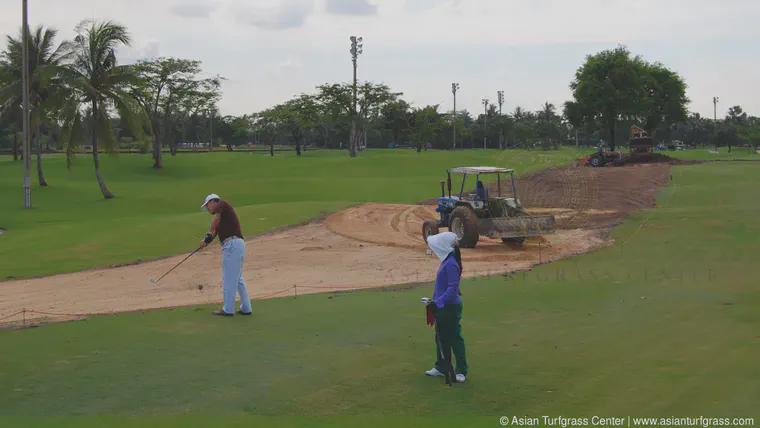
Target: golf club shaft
[[175, 267], [448, 369]]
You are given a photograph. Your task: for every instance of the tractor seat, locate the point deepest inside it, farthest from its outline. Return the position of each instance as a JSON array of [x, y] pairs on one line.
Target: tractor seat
[[482, 192]]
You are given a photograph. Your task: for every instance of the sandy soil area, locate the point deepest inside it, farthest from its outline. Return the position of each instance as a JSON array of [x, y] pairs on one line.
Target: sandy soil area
[[372, 245]]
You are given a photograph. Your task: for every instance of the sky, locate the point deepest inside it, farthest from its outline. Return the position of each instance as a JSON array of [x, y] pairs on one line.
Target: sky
[[271, 50]]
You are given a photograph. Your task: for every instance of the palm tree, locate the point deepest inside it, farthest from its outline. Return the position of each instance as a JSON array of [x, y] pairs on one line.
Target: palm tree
[[46, 81], [697, 129], [548, 112], [102, 86], [736, 115], [519, 114]]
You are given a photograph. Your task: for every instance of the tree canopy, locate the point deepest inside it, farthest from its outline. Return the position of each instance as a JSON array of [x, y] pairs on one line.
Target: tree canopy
[[614, 86]]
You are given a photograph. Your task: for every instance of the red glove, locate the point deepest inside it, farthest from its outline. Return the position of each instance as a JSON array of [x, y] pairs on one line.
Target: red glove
[[430, 311]]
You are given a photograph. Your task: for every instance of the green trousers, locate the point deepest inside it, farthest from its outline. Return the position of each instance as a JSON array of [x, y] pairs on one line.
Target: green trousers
[[448, 319]]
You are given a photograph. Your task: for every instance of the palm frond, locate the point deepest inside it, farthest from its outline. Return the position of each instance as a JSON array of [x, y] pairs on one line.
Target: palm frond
[[63, 54], [105, 131], [133, 113], [72, 132], [83, 85], [11, 91], [10, 111]]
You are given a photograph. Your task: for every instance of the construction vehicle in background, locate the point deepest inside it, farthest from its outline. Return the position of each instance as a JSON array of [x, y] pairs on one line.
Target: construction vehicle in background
[[472, 215], [641, 150]]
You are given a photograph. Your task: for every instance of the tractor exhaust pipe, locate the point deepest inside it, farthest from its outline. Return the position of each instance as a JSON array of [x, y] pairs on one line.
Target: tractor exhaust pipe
[[443, 192], [448, 181]]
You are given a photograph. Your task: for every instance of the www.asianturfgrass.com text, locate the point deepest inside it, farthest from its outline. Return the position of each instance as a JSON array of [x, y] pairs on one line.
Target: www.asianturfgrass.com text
[[625, 421]]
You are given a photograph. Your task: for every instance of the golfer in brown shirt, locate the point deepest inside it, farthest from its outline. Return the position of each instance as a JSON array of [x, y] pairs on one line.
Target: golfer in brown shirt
[[226, 226]]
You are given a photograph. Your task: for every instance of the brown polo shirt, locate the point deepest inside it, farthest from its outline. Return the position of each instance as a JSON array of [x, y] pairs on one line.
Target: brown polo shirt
[[229, 225]]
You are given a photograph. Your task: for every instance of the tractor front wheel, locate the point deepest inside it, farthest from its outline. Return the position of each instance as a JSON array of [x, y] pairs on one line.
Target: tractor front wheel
[[464, 223], [429, 228], [596, 161]]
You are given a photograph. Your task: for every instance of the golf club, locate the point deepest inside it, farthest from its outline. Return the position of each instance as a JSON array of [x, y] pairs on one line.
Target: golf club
[[155, 281], [448, 369]]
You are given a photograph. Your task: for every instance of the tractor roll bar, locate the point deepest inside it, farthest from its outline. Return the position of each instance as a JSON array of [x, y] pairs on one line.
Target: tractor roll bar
[[514, 188]]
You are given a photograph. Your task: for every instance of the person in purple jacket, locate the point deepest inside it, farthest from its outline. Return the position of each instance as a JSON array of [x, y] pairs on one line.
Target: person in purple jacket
[[448, 304]]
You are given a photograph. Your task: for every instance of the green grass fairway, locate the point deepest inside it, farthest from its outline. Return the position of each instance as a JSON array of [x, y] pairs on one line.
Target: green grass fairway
[[737, 153], [666, 325], [156, 213]]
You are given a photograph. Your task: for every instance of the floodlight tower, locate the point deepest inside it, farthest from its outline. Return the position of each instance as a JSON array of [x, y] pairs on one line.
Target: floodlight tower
[[485, 122], [357, 48], [454, 89], [500, 98]]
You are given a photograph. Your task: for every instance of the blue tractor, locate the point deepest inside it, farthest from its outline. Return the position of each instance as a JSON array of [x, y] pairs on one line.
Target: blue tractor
[[477, 214]]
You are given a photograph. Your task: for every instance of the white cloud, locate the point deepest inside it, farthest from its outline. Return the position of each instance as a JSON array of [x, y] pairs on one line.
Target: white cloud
[[273, 15], [194, 8], [289, 65], [350, 7], [140, 49], [273, 49]]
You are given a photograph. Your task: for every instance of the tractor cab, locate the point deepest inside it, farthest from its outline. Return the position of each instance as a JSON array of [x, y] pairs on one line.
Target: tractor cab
[[472, 214], [479, 200]]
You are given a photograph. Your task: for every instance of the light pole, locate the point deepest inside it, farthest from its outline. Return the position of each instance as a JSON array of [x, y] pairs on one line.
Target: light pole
[[25, 95], [357, 48], [715, 108], [454, 89], [715, 120], [485, 122], [500, 98]]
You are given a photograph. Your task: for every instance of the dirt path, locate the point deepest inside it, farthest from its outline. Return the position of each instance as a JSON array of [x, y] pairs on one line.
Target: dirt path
[[372, 245]]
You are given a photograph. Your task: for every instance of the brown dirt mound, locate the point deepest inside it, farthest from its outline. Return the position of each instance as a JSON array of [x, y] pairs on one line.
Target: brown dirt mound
[[595, 197]]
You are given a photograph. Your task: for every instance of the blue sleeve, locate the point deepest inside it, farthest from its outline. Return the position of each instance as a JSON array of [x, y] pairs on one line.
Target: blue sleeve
[[452, 285]]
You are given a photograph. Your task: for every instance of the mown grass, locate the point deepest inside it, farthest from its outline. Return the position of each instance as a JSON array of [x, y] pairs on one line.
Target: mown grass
[[667, 324], [737, 153], [156, 212]]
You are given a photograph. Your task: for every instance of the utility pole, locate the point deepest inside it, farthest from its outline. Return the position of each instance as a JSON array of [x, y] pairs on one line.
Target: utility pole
[[454, 89], [357, 48], [500, 98], [715, 120], [485, 123], [715, 110], [25, 89]]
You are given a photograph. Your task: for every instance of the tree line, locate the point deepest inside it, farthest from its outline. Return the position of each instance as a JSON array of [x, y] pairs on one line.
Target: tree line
[[612, 90], [81, 97], [79, 94]]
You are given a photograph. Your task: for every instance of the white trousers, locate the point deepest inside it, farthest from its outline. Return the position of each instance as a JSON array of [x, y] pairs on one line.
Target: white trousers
[[233, 254]]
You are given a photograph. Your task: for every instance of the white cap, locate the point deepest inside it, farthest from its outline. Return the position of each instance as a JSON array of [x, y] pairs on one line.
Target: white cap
[[208, 198]]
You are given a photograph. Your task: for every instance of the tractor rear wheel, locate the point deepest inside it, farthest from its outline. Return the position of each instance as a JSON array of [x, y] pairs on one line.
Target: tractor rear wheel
[[596, 161], [464, 223], [429, 228]]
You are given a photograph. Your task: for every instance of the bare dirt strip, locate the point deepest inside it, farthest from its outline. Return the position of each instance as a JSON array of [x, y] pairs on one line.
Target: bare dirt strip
[[371, 245]]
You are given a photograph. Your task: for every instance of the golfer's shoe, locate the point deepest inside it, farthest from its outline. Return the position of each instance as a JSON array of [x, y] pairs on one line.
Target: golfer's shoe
[[434, 372], [460, 377]]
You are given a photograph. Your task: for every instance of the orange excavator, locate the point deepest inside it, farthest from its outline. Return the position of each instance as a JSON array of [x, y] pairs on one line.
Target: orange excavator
[[640, 142], [641, 149]]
